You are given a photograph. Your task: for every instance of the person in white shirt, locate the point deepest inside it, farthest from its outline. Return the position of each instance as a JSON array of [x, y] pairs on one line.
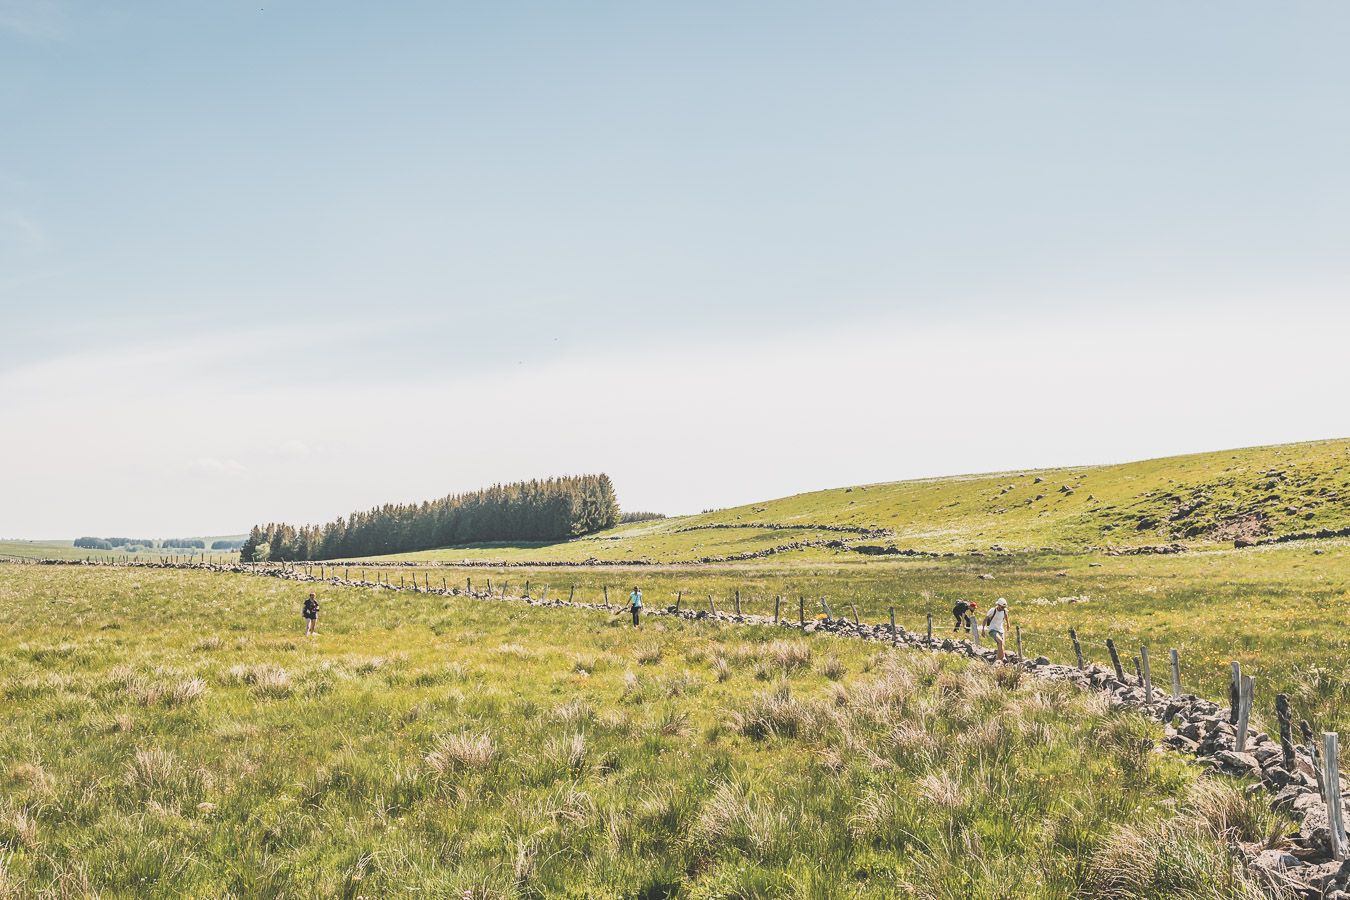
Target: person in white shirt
[[997, 624]]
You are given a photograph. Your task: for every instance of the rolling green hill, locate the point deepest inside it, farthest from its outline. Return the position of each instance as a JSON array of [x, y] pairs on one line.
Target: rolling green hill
[[1253, 494]]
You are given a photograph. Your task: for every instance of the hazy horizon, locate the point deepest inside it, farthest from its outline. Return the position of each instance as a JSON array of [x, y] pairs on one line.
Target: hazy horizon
[[284, 262]]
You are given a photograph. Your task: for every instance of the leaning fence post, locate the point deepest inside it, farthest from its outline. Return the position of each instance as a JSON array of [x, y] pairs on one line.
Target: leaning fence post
[[1286, 732], [712, 607], [1077, 650], [1234, 693], [894, 639], [777, 605], [1115, 660], [1176, 673], [1244, 711], [829, 616], [1148, 676], [1138, 672], [1316, 754], [679, 595], [856, 620], [1331, 793]]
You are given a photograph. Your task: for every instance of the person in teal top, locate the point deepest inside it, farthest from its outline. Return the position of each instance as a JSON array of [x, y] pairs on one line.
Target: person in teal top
[[635, 605]]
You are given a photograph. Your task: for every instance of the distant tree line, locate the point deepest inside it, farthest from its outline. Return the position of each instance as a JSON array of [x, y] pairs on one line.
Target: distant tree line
[[629, 518], [114, 543], [226, 545], [94, 543], [549, 510]]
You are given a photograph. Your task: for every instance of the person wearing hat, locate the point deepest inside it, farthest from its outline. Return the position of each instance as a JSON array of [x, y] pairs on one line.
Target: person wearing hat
[[996, 623], [961, 612]]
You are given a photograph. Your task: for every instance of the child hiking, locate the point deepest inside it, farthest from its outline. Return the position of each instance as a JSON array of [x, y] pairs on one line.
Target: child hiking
[[311, 614], [997, 624]]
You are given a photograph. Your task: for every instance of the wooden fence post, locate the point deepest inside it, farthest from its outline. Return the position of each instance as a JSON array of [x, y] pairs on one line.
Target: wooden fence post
[[1286, 732], [1176, 673], [1138, 672], [1019, 641], [930, 629], [856, 620], [445, 585], [894, 638], [1234, 693], [1077, 650], [738, 602], [975, 632], [468, 585], [1331, 793], [605, 588], [777, 606], [572, 592], [801, 609], [829, 615], [527, 590], [1306, 730], [1244, 711], [678, 596], [1148, 675], [1115, 660], [712, 606]]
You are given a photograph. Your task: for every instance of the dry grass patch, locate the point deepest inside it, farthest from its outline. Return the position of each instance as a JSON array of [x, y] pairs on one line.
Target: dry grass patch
[[462, 752]]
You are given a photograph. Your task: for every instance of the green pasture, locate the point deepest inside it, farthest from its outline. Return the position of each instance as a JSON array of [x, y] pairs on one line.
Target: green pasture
[[172, 733]]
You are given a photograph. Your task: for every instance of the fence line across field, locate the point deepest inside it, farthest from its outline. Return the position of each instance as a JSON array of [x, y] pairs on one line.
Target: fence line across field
[[1324, 753]]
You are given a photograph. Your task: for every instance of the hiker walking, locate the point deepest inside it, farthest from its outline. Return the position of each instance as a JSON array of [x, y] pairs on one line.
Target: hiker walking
[[635, 605], [311, 614], [997, 624], [962, 612]]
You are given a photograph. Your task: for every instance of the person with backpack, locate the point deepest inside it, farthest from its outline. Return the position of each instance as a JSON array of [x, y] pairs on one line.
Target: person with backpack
[[311, 614], [635, 605], [997, 624], [962, 612]]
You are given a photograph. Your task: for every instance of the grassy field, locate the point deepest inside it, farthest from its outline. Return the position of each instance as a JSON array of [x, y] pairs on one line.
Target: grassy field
[[172, 733], [1200, 499], [1275, 608], [17, 549]]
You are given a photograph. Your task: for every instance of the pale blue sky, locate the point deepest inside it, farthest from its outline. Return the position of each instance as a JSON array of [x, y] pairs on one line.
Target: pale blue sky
[[452, 209]]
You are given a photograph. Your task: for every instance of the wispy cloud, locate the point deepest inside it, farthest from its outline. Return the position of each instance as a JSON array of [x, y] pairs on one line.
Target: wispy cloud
[[34, 19], [210, 465], [21, 237]]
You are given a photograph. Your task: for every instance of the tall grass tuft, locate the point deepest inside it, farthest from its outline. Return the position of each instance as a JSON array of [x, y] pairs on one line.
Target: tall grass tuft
[[461, 752]]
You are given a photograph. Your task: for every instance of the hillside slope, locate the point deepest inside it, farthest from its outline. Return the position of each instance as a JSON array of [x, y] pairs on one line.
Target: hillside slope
[[1252, 494]]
